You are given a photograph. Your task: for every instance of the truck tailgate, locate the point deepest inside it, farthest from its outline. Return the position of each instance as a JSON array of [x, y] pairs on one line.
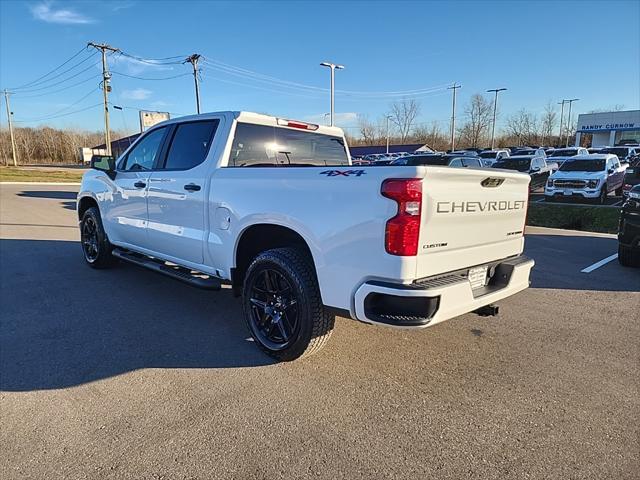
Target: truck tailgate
[[470, 217]]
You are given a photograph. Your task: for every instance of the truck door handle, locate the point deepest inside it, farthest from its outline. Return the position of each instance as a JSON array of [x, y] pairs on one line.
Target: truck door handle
[[192, 187], [139, 184]]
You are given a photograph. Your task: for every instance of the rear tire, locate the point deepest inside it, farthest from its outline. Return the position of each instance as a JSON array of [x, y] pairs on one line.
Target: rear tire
[[282, 305], [95, 244], [627, 257]]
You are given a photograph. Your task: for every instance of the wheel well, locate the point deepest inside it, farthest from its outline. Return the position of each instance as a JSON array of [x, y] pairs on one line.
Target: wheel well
[[85, 204], [257, 239]]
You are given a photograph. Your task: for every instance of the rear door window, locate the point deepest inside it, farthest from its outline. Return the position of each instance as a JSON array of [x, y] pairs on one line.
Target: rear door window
[[266, 146], [190, 144]]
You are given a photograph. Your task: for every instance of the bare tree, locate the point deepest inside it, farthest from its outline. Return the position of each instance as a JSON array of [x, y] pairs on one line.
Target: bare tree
[[403, 114], [367, 130], [548, 123], [523, 125], [479, 113]]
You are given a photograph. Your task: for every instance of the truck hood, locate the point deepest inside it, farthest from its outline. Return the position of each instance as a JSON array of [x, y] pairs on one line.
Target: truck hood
[[580, 175]]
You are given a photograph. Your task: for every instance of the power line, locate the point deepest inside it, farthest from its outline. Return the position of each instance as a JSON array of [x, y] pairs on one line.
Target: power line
[[59, 74], [62, 115], [149, 78], [92, 77], [49, 73], [67, 107], [155, 61], [259, 77], [61, 81]]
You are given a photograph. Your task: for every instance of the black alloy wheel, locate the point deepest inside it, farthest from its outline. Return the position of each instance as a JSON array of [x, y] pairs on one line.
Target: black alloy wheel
[[90, 241], [274, 310]]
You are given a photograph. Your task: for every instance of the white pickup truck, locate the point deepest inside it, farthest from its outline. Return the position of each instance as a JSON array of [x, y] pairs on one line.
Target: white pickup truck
[[273, 208]]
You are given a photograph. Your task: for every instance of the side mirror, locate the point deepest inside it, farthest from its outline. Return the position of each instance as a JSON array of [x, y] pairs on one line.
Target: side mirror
[[104, 163], [535, 169], [611, 170]]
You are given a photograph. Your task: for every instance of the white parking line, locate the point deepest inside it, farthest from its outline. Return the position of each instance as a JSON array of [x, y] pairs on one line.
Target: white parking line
[[602, 262]]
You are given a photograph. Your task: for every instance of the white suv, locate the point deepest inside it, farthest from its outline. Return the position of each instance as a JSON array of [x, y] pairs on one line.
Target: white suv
[[586, 177]]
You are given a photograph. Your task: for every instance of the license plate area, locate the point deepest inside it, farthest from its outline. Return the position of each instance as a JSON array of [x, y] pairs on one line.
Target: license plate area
[[567, 193], [478, 276]]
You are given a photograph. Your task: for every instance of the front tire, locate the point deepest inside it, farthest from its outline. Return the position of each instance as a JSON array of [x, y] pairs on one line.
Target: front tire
[[602, 199], [95, 244], [282, 305]]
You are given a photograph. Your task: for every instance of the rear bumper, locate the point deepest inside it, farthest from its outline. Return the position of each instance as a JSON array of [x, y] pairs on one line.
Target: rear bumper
[[436, 299]]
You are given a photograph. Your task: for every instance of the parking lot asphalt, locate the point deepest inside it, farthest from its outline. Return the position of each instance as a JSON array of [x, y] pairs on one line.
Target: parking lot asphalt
[[123, 374]]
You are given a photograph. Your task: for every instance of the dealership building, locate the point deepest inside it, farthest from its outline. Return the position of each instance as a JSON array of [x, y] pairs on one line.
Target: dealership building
[[609, 128]]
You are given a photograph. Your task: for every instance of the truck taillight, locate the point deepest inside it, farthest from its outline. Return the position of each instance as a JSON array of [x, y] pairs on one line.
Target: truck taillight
[[295, 124], [402, 231]]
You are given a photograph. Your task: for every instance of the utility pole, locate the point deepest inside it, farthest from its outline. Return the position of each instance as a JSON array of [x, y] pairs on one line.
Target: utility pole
[[388, 117], [333, 68], [193, 60], [453, 87], [561, 118], [13, 141], [106, 88], [495, 108], [569, 120]]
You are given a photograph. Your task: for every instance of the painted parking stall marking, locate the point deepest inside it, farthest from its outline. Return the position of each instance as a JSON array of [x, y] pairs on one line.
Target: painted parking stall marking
[[599, 264]]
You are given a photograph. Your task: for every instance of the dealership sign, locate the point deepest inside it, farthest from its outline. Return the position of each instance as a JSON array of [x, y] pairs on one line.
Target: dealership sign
[[609, 126]]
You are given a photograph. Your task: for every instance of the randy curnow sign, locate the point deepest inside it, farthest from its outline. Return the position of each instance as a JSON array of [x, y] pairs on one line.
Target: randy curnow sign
[[609, 126]]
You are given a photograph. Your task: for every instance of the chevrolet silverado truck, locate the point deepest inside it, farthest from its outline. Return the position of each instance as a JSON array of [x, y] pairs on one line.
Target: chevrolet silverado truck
[[273, 209]]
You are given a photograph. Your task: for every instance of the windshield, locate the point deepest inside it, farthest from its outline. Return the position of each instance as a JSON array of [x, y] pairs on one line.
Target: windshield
[[595, 165], [488, 154], [521, 165], [564, 153]]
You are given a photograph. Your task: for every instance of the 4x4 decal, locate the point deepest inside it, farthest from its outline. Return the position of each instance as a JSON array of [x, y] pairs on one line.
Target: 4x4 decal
[[344, 173]]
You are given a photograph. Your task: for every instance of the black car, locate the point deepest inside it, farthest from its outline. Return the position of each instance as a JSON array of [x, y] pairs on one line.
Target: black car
[[631, 175], [629, 230], [439, 160], [536, 167]]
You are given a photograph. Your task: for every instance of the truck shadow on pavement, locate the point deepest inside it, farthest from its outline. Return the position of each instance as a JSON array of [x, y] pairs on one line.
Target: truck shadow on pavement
[[53, 195], [65, 324]]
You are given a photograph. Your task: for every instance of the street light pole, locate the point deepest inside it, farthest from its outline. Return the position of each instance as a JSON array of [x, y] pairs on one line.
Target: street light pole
[[388, 117], [570, 101], [495, 108], [333, 68], [561, 118]]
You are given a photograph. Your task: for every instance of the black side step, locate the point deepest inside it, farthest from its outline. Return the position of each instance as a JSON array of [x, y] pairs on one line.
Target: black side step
[[193, 278]]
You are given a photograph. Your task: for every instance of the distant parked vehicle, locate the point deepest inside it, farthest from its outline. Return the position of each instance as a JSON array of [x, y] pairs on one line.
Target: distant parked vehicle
[[625, 154], [631, 176], [536, 167], [440, 160], [489, 157], [629, 230], [471, 153], [586, 177], [561, 154]]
